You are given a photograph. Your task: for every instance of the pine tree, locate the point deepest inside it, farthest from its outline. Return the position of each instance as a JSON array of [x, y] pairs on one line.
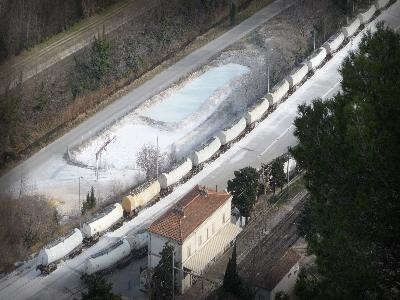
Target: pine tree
[[349, 147], [278, 177], [92, 198], [97, 288], [232, 283], [161, 285], [244, 189]]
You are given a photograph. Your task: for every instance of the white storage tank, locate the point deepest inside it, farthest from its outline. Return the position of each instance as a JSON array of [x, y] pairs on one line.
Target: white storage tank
[[61, 249], [206, 152], [297, 75], [229, 134], [278, 92], [316, 59], [104, 222], [108, 257], [168, 179], [381, 3], [255, 113], [334, 43], [131, 202], [366, 16], [292, 165], [352, 28]]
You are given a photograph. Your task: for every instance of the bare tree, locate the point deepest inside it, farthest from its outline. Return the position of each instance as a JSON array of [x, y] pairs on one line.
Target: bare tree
[[151, 161]]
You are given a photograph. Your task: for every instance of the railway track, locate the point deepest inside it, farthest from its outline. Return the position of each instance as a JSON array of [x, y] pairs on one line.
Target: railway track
[[115, 18]]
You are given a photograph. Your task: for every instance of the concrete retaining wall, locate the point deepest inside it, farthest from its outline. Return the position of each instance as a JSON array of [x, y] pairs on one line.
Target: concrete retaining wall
[[297, 75], [334, 43], [206, 152], [227, 135], [366, 16], [278, 92], [352, 28], [316, 59], [167, 179], [256, 112]]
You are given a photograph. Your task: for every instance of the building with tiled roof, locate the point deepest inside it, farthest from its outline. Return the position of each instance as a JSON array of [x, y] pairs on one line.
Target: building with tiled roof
[[280, 276], [198, 227]]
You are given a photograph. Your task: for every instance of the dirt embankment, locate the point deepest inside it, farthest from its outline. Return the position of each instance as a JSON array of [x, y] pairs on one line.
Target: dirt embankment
[[37, 110]]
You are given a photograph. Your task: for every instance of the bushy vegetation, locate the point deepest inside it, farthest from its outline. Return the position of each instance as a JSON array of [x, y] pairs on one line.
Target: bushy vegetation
[[90, 201], [26, 223], [98, 288], [23, 24], [244, 190], [349, 147], [91, 74]]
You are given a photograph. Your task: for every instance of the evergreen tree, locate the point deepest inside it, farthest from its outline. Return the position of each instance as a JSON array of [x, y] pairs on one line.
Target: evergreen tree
[[232, 283], [97, 288], [244, 189], [350, 149], [92, 198], [278, 177], [161, 285]]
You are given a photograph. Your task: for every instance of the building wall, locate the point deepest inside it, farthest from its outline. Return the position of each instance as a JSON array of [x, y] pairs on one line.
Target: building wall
[[156, 244], [213, 223], [198, 238], [287, 283]]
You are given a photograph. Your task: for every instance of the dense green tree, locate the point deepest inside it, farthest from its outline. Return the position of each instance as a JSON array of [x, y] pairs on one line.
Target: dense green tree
[[350, 149], [161, 284], [278, 177], [244, 189], [232, 283], [97, 288]]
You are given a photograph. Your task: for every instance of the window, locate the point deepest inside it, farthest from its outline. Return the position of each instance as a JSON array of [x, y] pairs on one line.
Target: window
[[207, 234], [189, 252], [223, 218], [200, 241]]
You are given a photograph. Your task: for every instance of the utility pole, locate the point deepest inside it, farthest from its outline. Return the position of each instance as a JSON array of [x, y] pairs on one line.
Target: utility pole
[[314, 37], [173, 277], [157, 159], [79, 179], [288, 160]]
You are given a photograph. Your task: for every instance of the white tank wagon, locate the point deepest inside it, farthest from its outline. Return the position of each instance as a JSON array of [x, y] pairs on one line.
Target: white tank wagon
[[108, 257], [229, 134], [206, 152], [316, 59], [292, 165], [366, 16], [278, 92], [381, 3], [131, 203], [168, 179], [297, 75], [103, 222], [334, 43], [255, 113], [352, 28], [49, 256]]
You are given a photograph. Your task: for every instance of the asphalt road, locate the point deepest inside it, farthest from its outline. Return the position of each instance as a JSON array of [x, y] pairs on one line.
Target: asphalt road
[[137, 96]]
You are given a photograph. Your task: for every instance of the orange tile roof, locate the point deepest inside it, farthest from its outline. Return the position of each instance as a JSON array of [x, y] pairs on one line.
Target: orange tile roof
[[188, 213]]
